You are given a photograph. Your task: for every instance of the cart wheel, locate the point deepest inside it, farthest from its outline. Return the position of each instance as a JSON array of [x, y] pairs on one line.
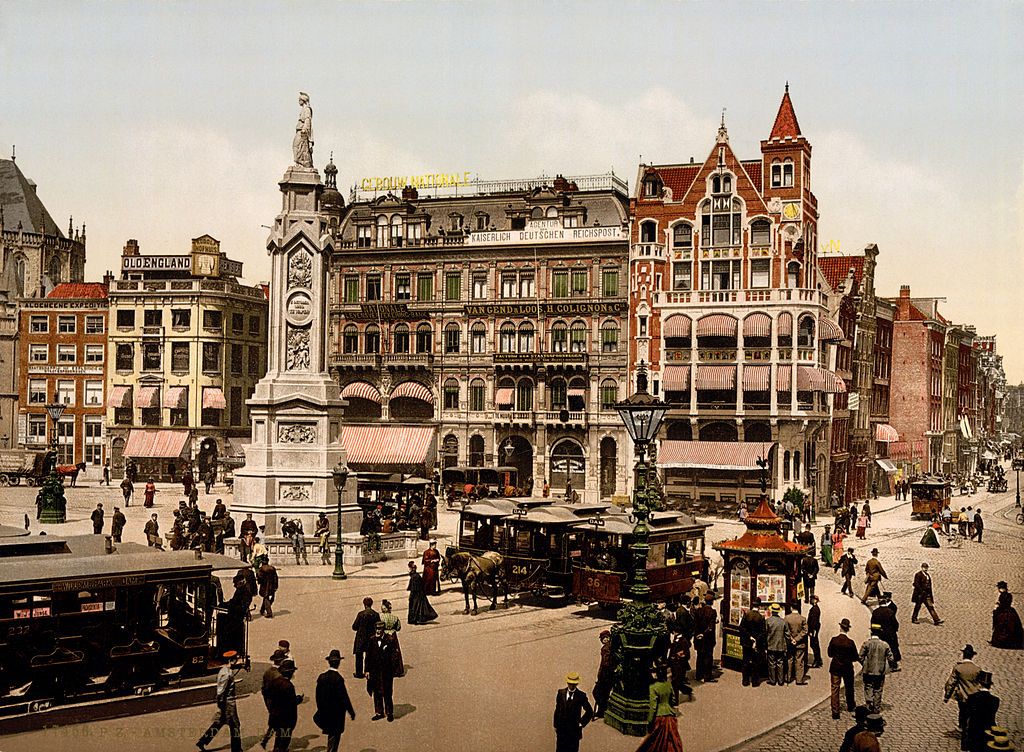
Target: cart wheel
[[3, 480], [15, 480]]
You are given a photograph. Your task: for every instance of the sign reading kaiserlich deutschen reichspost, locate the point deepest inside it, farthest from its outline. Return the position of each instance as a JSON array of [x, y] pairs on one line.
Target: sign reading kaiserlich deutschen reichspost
[[547, 235]]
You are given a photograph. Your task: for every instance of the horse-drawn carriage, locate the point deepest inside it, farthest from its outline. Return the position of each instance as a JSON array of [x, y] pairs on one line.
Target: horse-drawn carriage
[[471, 483], [17, 465]]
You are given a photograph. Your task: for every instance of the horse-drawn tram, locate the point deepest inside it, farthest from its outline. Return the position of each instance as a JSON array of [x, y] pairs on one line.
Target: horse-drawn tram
[[83, 621]]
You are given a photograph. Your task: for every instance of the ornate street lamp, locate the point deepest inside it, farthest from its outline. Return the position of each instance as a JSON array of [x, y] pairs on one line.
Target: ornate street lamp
[[813, 471], [340, 476], [53, 506]]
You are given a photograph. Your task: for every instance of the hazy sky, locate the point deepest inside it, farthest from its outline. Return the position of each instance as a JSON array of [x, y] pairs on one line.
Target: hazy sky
[[164, 121]]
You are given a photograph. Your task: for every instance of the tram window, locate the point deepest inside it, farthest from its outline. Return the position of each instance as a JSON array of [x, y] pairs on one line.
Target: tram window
[[693, 547], [674, 553], [499, 537], [523, 541], [575, 544], [656, 556], [468, 528]]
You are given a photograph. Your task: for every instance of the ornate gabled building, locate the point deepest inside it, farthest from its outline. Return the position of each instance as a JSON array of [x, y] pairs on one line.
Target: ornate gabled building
[[726, 310]]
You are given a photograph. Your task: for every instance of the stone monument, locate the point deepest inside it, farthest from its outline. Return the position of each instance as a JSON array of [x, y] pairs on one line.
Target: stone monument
[[296, 409]]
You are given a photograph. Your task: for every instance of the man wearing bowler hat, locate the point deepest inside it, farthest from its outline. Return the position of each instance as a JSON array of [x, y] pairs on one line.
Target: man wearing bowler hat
[[923, 595], [572, 714], [963, 682], [332, 702], [282, 704], [874, 572], [752, 633], [843, 652]]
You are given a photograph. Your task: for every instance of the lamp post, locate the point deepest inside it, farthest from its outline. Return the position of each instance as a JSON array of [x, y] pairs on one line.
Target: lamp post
[[340, 477], [813, 472], [1016, 466], [52, 506]]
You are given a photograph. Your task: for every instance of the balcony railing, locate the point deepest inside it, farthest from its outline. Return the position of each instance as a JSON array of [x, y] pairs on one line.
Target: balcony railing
[[555, 416], [519, 417], [355, 360], [407, 359], [648, 250], [758, 295]]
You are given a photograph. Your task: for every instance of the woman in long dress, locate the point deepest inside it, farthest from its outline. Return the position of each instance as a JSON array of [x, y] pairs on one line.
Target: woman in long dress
[[1006, 627], [420, 611], [661, 717], [392, 625]]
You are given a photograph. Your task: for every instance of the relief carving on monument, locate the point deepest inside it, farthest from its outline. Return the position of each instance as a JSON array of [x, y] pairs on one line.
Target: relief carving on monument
[[295, 492], [297, 349], [300, 270], [296, 433]]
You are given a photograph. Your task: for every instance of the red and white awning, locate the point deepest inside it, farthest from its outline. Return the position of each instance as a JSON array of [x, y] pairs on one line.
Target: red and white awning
[[831, 382], [811, 379], [676, 378], [785, 324], [148, 396], [783, 378], [577, 392], [712, 455], [829, 331], [362, 390], [716, 377], [213, 398], [120, 396], [676, 326], [176, 397], [504, 395], [757, 325], [757, 378], [716, 325], [382, 445], [413, 390], [143, 443], [885, 432]]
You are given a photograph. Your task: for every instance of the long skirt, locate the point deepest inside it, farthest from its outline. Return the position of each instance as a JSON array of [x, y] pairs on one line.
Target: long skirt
[[1006, 629], [664, 737]]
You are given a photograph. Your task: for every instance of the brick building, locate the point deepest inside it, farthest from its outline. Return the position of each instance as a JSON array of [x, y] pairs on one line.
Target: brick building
[[62, 355], [884, 435], [726, 310]]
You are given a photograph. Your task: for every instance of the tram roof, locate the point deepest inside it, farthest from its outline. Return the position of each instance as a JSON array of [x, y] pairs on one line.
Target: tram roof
[[659, 522], [489, 508]]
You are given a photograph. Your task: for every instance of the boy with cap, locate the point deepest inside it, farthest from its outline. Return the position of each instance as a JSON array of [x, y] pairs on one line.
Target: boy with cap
[[572, 714], [227, 712], [843, 652], [332, 702]]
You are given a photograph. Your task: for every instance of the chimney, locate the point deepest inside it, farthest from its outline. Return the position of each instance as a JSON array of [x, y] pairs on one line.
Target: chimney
[[108, 544], [904, 292], [560, 184], [131, 247], [409, 193]]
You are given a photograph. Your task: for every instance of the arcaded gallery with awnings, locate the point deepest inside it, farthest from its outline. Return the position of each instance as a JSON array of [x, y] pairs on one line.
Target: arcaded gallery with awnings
[[712, 477]]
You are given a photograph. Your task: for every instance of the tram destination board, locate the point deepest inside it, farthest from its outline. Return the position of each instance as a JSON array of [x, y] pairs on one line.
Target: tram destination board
[[95, 583]]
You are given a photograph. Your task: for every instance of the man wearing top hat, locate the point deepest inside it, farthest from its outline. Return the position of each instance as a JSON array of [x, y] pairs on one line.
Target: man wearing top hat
[[843, 652], [227, 712], [752, 634], [814, 630], [381, 667], [705, 620], [885, 617], [332, 702], [572, 714], [961, 684], [981, 710]]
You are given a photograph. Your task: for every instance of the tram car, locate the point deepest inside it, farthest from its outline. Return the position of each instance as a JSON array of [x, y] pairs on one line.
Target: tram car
[[928, 497], [675, 558], [83, 619]]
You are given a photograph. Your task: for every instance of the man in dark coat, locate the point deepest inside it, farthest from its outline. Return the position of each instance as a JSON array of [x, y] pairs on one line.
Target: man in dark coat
[[922, 595], [364, 625], [381, 668], [247, 533], [266, 576], [704, 621], [219, 510], [117, 523], [847, 568], [97, 519], [752, 633], [885, 617], [282, 705], [980, 710], [814, 630], [605, 674], [843, 652], [809, 573], [332, 702], [273, 672], [572, 714]]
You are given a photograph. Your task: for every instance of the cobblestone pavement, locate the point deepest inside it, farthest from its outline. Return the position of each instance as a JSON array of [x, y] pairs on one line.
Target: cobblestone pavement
[[964, 580]]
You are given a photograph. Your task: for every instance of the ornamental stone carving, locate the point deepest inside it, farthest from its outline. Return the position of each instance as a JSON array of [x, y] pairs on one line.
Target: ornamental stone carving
[[297, 349], [296, 433], [295, 492], [300, 270]]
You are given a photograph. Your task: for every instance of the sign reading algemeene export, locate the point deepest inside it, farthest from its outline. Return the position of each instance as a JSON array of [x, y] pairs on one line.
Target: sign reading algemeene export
[[398, 182]]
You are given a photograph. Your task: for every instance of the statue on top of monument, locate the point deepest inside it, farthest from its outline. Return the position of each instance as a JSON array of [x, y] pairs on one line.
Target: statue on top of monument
[[302, 144]]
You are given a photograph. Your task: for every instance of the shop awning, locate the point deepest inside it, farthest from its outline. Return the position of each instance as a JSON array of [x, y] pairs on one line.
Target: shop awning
[[213, 398], [676, 378], [362, 390], [886, 465], [783, 378], [785, 324], [965, 428], [176, 397], [676, 326], [712, 455], [237, 446], [413, 390], [148, 396], [382, 446], [120, 396], [716, 377], [885, 432], [143, 443], [811, 379], [757, 378], [716, 325], [576, 392], [829, 331], [504, 396], [757, 325]]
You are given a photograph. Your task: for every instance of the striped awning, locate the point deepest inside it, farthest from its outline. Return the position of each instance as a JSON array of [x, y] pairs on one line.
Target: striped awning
[[120, 396], [375, 447], [676, 326], [362, 390], [176, 397], [716, 377], [148, 396], [716, 325], [885, 432], [143, 443], [757, 325], [504, 395], [829, 331], [811, 379], [757, 378], [213, 398], [413, 390], [782, 378], [676, 378], [576, 392], [785, 324], [712, 455]]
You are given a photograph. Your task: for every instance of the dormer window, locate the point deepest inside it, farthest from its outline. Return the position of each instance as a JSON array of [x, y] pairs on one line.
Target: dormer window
[[364, 236], [482, 221], [721, 184], [652, 188], [455, 222]]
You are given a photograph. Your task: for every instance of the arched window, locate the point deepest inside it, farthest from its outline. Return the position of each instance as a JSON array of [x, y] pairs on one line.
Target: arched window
[[796, 467], [478, 339], [451, 394], [793, 274], [609, 394], [526, 337], [382, 231], [568, 465], [54, 269], [396, 231], [559, 337], [682, 236], [476, 450], [524, 395], [776, 174], [19, 273], [450, 451], [557, 396], [578, 337], [537, 213], [649, 232], [452, 337], [402, 343], [507, 338], [371, 339], [477, 395], [785, 466], [720, 222], [805, 332], [727, 184], [787, 174], [609, 452], [760, 232], [350, 340], [610, 337], [551, 213], [424, 339], [577, 395], [716, 184]]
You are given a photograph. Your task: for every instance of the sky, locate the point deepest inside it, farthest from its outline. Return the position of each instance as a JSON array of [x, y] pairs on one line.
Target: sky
[[165, 121]]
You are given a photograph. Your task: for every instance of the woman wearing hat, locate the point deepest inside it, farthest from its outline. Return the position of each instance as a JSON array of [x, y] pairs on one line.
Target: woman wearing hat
[[1006, 627], [392, 625], [661, 717]]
